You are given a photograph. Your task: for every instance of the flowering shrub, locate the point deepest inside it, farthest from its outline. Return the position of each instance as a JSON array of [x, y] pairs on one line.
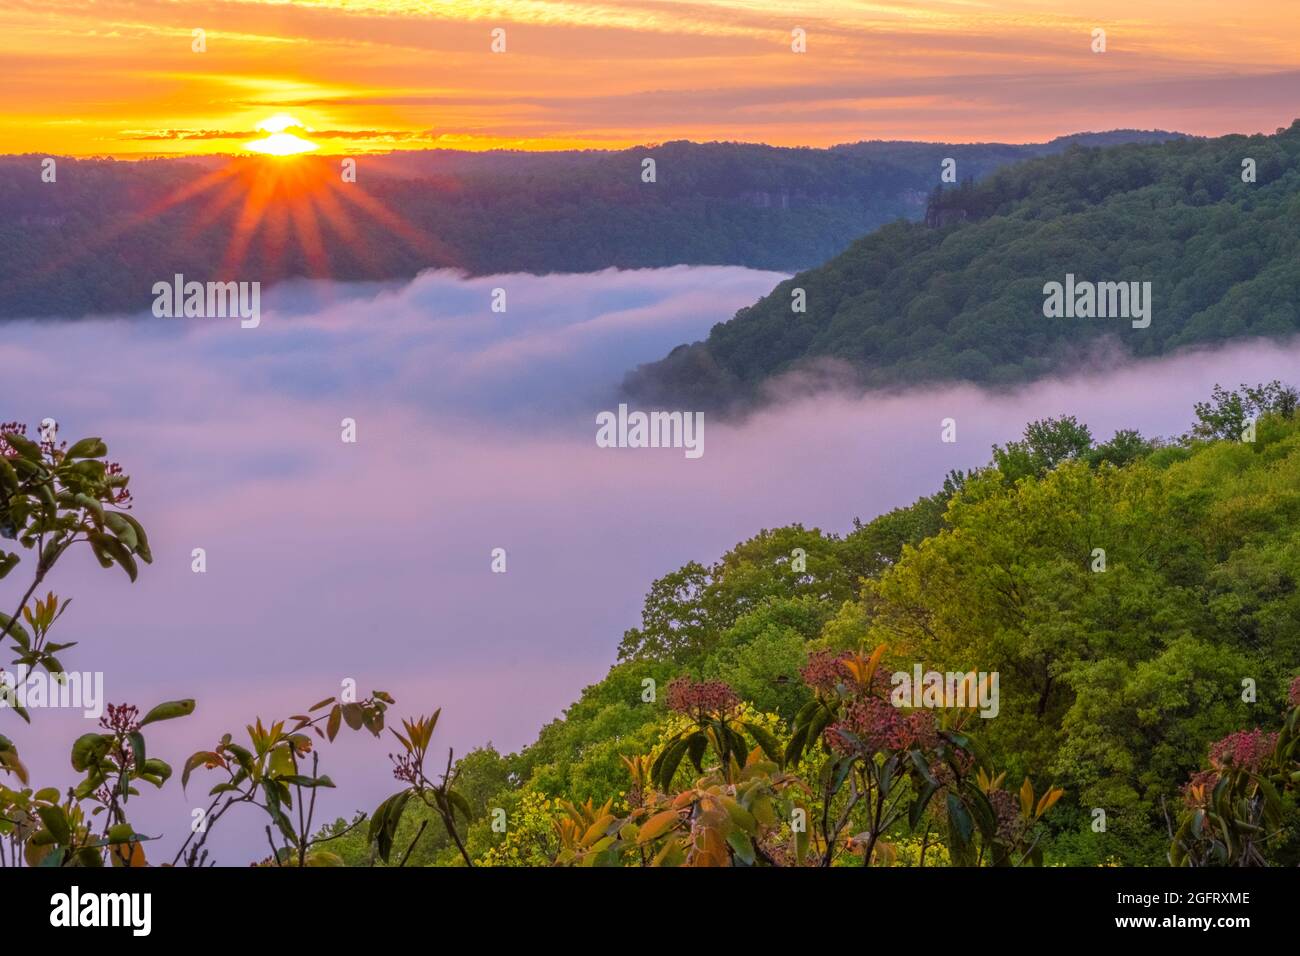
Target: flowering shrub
[[712, 708], [54, 497], [1244, 750], [45, 830], [700, 699], [889, 765], [864, 791], [439, 797], [1236, 809]]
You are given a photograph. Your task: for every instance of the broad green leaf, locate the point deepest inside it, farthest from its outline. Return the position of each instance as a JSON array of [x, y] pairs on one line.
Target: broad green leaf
[[89, 749], [160, 770], [86, 448], [741, 846], [739, 815], [169, 710], [56, 821]]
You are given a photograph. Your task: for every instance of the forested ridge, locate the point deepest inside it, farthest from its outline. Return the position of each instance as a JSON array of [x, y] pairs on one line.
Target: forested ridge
[[1119, 679], [961, 295], [97, 238]]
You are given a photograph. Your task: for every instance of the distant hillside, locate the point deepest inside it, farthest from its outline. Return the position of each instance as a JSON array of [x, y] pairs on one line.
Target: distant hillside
[[98, 238], [961, 295]]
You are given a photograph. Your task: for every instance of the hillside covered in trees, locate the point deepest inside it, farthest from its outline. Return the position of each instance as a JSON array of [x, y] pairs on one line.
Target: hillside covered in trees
[[97, 238], [1104, 638], [1138, 598], [1210, 224]]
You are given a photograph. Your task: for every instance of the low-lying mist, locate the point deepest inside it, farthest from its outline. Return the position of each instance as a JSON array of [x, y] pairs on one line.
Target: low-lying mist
[[475, 430]]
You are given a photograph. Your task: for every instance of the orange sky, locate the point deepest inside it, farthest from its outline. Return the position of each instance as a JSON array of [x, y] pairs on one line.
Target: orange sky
[[119, 76]]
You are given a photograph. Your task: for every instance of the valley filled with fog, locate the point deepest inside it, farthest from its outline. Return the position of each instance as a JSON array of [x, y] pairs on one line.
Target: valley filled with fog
[[475, 430]]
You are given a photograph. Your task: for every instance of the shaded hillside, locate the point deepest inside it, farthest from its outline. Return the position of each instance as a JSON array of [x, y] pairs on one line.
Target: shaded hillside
[[99, 237], [961, 296]]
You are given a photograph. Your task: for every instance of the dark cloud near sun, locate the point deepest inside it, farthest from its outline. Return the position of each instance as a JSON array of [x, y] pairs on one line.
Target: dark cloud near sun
[[222, 134]]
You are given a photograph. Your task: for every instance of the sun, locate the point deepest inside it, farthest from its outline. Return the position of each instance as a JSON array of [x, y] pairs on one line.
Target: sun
[[280, 141]]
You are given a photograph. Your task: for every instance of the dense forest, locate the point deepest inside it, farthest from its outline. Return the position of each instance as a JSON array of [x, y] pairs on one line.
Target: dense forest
[[1210, 224], [1123, 671], [97, 238]]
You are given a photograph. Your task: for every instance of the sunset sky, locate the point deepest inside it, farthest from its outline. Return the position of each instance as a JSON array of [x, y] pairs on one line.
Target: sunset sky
[[119, 77]]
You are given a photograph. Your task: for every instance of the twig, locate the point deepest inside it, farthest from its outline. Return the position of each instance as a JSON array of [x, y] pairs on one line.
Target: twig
[[275, 854], [407, 856]]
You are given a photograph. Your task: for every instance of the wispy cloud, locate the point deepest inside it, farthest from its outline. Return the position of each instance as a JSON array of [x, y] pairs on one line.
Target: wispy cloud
[[384, 72]]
